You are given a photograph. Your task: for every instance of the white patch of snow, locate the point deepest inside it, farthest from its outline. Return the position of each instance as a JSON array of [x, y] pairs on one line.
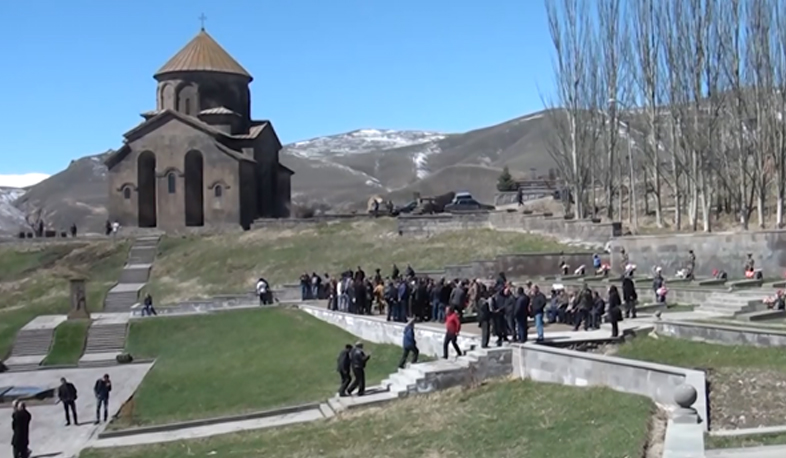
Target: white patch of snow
[[421, 160], [23, 180], [360, 141], [11, 218]]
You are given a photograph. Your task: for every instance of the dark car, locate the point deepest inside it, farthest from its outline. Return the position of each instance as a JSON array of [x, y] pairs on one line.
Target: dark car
[[467, 204], [407, 208]]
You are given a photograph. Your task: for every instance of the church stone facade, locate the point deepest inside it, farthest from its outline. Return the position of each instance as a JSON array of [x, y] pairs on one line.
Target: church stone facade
[[199, 159]]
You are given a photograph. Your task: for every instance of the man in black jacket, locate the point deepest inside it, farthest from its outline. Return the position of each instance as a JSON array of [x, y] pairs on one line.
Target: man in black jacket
[[20, 425], [358, 360], [343, 367], [520, 313], [585, 303], [498, 315], [102, 389], [629, 297], [66, 393], [484, 321]]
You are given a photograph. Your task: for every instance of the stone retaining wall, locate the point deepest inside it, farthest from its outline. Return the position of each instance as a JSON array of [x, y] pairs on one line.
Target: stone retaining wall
[[722, 250], [581, 231], [720, 334], [523, 265], [294, 223]]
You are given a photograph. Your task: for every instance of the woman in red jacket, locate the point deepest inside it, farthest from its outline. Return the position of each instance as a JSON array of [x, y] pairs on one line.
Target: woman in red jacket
[[452, 329]]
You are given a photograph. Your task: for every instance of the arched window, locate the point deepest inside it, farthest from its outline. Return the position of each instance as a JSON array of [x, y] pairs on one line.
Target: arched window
[[171, 182], [218, 191], [126, 193]]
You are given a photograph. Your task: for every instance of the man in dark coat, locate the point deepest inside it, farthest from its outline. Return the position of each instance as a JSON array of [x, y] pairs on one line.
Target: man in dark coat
[[343, 367], [102, 389], [409, 344], [585, 303], [537, 308], [20, 424], [520, 313], [358, 360], [498, 315], [66, 393], [484, 321], [629, 297]]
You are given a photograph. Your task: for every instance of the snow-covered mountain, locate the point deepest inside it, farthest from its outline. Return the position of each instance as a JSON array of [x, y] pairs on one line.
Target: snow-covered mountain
[[360, 141], [11, 218]]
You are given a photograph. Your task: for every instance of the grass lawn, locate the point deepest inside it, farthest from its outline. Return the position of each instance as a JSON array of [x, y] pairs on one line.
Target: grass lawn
[[500, 419], [240, 361], [711, 442], [35, 280], [69, 343], [192, 267]]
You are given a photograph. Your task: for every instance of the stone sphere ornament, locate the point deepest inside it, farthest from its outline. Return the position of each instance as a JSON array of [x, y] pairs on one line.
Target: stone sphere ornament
[[685, 396]]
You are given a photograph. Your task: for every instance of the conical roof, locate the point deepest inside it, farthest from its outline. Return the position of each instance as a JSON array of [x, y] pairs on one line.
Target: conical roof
[[203, 54]]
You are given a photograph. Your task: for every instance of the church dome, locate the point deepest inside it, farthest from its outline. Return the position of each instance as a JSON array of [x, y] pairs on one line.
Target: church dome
[[203, 54]]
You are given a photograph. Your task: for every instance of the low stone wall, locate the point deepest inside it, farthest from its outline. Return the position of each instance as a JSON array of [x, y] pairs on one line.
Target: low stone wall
[[522, 265], [543, 363], [720, 334], [568, 367], [570, 230], [722, 250], [293, 223], [510, 198]]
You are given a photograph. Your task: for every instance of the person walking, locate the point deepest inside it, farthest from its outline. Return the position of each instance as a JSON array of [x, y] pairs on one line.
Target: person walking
[[20, 425], [358, 360], [343, 366], [538, 308], [66, 394], [409, 344], [614, 313], [520, 313], [102, 389], [452, 329], [629, 297]]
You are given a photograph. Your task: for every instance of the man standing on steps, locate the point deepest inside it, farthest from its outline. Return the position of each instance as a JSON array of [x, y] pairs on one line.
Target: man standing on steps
[[102, 389], [66, 393], [358, 360], [452, 329], [343, 367], [409, 344]]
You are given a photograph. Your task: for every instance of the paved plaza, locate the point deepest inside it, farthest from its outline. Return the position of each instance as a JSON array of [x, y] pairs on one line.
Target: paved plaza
[[48, 434]]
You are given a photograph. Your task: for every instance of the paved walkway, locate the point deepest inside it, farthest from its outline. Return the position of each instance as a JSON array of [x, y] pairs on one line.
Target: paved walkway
[[773, 451], [210, 430], [49, 436]]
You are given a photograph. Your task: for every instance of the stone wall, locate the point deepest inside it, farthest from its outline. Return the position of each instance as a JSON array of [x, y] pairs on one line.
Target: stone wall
[[568, 367], [567, 230], [295, 223], [510, 198], [726, 335], [723, 251], [523, 265]]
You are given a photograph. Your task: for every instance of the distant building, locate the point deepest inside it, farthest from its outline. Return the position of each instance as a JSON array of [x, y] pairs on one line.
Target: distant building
[[199, 159]]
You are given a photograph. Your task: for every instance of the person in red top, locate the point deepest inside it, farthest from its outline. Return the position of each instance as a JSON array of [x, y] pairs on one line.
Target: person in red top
[[452, 329]]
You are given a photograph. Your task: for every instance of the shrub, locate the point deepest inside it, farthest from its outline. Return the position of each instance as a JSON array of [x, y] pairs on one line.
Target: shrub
[[505, 181]]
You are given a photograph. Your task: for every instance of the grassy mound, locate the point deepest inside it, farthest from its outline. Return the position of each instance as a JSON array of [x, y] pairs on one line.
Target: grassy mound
[[34, 280], [235, 362], [69, 342], [193, 267], [502, 419]]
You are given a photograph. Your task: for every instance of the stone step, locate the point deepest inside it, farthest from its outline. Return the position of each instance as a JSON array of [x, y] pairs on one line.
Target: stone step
[[22, 367], [32, 342], [105, 363], [106, 338]]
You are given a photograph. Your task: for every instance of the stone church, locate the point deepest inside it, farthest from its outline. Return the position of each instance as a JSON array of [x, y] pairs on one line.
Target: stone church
[[199, 159]]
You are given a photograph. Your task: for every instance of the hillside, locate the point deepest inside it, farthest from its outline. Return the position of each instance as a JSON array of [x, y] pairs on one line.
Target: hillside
[[11, 218], [341, 171]]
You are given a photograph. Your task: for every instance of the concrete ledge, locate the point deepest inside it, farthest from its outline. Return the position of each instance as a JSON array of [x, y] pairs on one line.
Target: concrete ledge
[[760, 431], [746, 283], [763, 315], [711, 282], [207, 421], [726, 335], [683, 440]]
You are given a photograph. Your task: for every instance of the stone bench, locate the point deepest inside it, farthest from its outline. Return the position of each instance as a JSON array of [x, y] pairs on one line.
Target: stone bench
[[763, 315], [746, 283], [712, 282], [776, 284]]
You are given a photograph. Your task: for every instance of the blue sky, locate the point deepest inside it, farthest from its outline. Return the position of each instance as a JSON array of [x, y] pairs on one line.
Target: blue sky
[[77, 74]]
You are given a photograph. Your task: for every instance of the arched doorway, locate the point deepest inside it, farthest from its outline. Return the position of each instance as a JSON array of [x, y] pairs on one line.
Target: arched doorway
[[194, 195], [146, 189]]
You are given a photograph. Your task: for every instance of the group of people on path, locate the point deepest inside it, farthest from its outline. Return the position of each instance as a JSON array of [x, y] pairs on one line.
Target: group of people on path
[[67, 395], [351, 366]]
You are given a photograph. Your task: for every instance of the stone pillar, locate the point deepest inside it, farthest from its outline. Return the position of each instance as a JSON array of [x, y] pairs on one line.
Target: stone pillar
[[685, 396], [78, 300]]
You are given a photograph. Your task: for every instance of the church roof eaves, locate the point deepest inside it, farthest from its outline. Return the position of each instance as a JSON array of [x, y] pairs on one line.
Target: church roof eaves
[[203, 54], [218, 111], [286, 169]]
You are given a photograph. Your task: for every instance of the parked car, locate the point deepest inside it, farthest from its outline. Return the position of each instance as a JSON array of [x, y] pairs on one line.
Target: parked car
[[464, 202], [405, 208]]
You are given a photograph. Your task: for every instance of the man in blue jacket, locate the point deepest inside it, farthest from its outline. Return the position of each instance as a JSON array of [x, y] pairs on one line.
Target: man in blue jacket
[[409, 344]]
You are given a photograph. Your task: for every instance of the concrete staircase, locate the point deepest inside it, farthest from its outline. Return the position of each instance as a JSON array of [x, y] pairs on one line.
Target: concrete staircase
[[474, 366], [134, 276], [733, 303], [28, 345], [106, 338]]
